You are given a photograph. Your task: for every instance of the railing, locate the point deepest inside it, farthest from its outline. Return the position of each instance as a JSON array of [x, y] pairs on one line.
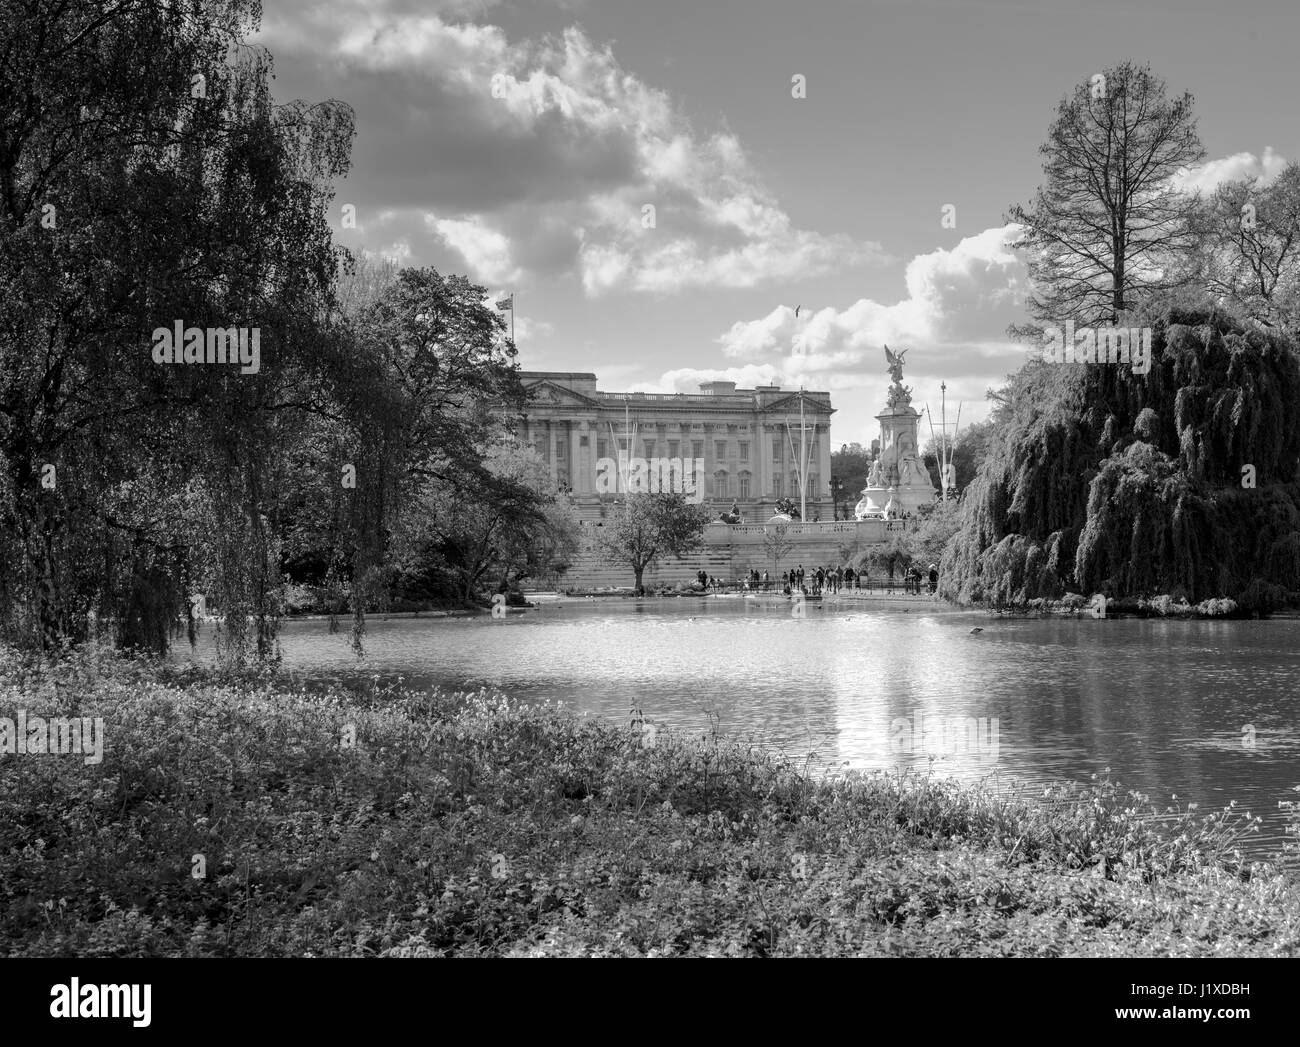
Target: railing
[[821, 527]]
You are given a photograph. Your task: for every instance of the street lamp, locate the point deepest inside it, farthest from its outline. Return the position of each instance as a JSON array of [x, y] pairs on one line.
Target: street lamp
[[837, 485]]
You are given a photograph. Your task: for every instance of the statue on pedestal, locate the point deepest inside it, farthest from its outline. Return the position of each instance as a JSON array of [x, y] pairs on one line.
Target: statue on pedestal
[[898, 482]]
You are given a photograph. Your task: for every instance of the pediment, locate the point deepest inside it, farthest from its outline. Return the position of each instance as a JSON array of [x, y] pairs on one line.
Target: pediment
[[547, 394], [791, 403]]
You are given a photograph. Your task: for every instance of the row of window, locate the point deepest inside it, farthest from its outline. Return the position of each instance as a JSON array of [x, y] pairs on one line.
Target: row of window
[[674, 448], [697, 449]]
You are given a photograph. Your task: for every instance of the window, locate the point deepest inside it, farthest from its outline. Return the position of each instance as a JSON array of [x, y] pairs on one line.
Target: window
[[720, 485], [697, 448], [744, 450], [744, 487], [649, 448], [776, 448], [584, 441], [777, 480], [674, 449], [720, 449], [794, 486], [601, 448]]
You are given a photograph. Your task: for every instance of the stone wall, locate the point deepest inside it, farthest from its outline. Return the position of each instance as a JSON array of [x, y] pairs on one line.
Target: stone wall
[[730, 552]]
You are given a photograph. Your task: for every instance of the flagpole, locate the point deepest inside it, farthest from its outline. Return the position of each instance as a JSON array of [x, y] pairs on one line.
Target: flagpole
[[512, 316], [803, 465]]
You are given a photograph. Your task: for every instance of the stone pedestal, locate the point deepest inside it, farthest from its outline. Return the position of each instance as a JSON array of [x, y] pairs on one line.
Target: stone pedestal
[[899, 481]]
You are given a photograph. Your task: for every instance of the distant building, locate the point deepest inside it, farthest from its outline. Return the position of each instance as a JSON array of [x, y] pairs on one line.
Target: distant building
[[718, 446]]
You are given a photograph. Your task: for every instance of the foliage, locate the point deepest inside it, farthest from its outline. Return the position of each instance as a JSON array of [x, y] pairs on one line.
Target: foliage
[[1248, 253], [1101, 480], [517, 521], [133, 197], [469, 825], [851, 464], [967, 452], [644, 527]]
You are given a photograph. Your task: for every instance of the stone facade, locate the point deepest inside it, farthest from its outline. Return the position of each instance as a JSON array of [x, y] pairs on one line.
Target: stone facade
[[736, 445]]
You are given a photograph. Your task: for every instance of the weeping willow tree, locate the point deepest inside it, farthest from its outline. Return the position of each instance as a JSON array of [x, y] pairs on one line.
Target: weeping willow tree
[[148, 180], [1181, 481]]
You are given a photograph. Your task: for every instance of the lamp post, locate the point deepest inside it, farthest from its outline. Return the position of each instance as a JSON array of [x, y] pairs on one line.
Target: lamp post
[[837, 486]]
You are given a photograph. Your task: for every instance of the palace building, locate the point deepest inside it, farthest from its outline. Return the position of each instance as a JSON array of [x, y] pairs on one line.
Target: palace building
[[718, 446]]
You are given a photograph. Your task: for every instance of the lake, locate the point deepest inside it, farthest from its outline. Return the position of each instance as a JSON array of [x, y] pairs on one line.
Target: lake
[[1204, 710]]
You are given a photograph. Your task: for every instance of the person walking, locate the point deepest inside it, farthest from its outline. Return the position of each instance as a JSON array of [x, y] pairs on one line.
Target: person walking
[[934, 577]]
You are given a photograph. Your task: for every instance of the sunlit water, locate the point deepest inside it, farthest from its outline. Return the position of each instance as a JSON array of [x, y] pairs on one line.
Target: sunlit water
[[1164, 704]]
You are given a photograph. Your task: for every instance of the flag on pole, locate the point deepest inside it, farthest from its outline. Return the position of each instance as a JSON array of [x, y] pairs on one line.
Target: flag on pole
[[506, 304]]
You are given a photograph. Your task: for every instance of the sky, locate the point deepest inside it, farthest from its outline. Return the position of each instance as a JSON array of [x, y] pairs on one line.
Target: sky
[[522, 142]]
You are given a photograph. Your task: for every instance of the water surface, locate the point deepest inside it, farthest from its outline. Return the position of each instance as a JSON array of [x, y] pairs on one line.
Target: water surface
[[1204, 710]]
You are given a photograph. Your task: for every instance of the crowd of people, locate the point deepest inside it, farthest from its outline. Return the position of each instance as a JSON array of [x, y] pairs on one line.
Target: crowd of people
[[819, 581]]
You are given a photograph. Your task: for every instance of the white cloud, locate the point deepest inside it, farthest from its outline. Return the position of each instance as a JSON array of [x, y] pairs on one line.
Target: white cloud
[[544, 152], [963, 296], [952, 321], [485, 250], [1210, 175]]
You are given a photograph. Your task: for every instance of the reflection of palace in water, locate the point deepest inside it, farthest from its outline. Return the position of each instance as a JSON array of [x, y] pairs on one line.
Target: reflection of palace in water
[[747, 439]]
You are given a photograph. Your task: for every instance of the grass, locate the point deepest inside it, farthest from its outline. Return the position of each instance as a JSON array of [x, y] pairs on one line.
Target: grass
[[469, 825]]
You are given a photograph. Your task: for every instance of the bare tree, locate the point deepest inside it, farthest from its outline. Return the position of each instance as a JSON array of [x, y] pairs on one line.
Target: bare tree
[[1110, 222], [777, 542]]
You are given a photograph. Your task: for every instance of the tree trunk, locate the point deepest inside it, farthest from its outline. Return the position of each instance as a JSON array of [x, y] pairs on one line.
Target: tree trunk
[[640, 591]]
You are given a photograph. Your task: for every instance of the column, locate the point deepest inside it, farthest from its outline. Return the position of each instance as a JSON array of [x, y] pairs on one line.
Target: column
[[824, 455], [582, 483]]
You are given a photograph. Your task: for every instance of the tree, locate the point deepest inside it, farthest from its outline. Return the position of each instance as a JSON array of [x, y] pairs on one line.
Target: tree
[[1101, 480], [1109, 225], [851, 463], [1248, 253], [148, 180], [489, 527], [647, 526], [777, 542], [966, 453]]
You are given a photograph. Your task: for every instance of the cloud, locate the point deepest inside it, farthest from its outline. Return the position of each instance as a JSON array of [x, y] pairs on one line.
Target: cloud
[[952, 320], [486, 250], [1210, 175], [540, 155], [962, 298]]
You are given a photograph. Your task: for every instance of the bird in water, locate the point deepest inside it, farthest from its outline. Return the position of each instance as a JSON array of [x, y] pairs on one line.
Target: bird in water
[[977, 629]]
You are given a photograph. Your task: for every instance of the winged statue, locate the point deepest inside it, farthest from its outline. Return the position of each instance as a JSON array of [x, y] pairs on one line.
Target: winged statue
[[895, 361]]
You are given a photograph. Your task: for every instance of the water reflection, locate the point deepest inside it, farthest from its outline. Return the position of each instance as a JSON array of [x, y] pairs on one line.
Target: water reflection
[[1165, 705]]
